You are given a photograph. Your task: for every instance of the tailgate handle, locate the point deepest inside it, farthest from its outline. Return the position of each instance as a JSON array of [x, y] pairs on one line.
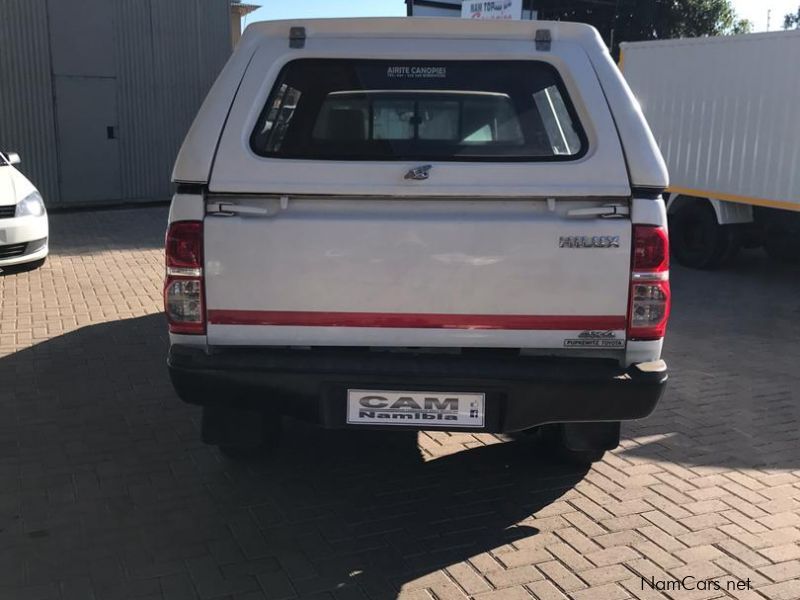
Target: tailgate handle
[[227, 209], [609, 211]]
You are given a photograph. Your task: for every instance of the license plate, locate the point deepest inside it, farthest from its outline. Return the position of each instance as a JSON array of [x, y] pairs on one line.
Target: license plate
[[402, 408]]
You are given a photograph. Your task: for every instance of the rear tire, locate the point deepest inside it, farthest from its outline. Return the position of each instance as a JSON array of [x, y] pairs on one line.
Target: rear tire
[[558, 440], [697, 240]]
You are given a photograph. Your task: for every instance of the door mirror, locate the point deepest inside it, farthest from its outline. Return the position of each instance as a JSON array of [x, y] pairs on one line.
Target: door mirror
[[13, 158]]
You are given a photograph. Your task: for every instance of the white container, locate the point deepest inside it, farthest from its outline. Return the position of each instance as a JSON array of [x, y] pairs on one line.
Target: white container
[[724, 113]]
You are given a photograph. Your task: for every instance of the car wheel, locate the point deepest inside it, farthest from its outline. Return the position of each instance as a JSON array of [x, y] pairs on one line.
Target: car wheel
[[697, 240]]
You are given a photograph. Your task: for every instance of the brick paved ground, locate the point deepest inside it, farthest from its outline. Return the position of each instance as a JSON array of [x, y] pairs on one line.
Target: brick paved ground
[[106, 492]]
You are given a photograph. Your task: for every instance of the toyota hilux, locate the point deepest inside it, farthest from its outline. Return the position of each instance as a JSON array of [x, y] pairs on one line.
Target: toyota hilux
[[419, 223]]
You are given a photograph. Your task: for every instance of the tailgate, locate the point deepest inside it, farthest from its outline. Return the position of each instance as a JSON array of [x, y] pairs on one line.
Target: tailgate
[[422, 272]]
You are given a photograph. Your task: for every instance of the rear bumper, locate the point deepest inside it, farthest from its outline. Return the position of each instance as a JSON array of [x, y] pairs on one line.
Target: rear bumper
[[521, 392]]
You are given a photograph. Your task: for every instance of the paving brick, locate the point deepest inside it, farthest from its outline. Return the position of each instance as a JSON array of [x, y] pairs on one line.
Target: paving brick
[[586, 525], [777, 521], [515, 593], [525, 556], [618, 538], [612, 556], [781, 553], [656, 554], [514, 576], [699, 554], [607, 574], [704, 536], [661, 538], [577, 540], [665, 523], [468, 579], [740, 571], [782, 571], [786, 590], [610, 591], [561, 576], [486, 563], [571, 559], [544, 590]]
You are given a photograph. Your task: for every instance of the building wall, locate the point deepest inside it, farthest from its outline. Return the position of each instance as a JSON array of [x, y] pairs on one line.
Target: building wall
[[27, 119], [105, 90]]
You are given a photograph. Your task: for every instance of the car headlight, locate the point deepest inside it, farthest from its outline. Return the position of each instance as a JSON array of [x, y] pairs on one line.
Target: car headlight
[[31, 205]]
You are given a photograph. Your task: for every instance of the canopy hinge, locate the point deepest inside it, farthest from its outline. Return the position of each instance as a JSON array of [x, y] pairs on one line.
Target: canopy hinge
[[543, 40], [297, 37]]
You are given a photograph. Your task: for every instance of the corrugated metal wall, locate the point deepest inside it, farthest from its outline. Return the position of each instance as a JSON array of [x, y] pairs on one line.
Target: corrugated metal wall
[[27, 122], [166, 56], [142, 153], [724, 111]]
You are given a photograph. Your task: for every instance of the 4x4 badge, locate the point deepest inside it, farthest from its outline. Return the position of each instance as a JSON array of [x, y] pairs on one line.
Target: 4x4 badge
[[420, 173]]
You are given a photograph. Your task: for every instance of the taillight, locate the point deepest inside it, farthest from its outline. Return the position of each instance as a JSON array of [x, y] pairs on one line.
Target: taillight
[[183, 285], [650, 294]]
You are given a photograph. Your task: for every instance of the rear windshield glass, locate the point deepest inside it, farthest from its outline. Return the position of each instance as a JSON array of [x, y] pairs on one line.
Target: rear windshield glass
[[398, 110]]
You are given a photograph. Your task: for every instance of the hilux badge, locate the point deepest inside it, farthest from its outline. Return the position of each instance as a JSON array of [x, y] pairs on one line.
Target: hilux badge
[[588, 241]]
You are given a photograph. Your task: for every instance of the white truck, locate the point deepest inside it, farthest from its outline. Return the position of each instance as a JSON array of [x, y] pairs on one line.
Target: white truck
[[419, 223], [724, 113]]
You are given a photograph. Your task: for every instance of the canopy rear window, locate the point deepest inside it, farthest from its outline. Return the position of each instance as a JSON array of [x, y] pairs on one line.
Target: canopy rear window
[[334, 109]]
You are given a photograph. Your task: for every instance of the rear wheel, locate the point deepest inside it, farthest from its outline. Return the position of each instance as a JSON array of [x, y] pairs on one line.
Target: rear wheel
[[241, 434], [697, 240], [581, 457], [579, 443]]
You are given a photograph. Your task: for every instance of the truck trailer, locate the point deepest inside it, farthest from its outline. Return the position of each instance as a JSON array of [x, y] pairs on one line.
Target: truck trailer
[[724, 111]]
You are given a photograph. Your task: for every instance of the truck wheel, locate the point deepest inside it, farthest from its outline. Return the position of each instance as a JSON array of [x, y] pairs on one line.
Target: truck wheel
[[241, 434], [697, 240]]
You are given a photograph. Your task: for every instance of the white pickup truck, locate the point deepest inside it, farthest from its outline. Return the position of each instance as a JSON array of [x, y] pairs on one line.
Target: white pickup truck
[[419, 223]]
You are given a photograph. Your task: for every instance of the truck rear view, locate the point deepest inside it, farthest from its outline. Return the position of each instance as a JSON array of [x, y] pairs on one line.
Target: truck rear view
[[390, 223]]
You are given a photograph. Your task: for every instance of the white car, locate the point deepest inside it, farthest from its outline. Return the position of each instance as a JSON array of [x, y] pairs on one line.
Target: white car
[[23, 218], [419, 224]]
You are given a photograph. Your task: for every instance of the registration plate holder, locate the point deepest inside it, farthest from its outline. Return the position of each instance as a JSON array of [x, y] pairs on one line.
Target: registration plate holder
[[407, 408]]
